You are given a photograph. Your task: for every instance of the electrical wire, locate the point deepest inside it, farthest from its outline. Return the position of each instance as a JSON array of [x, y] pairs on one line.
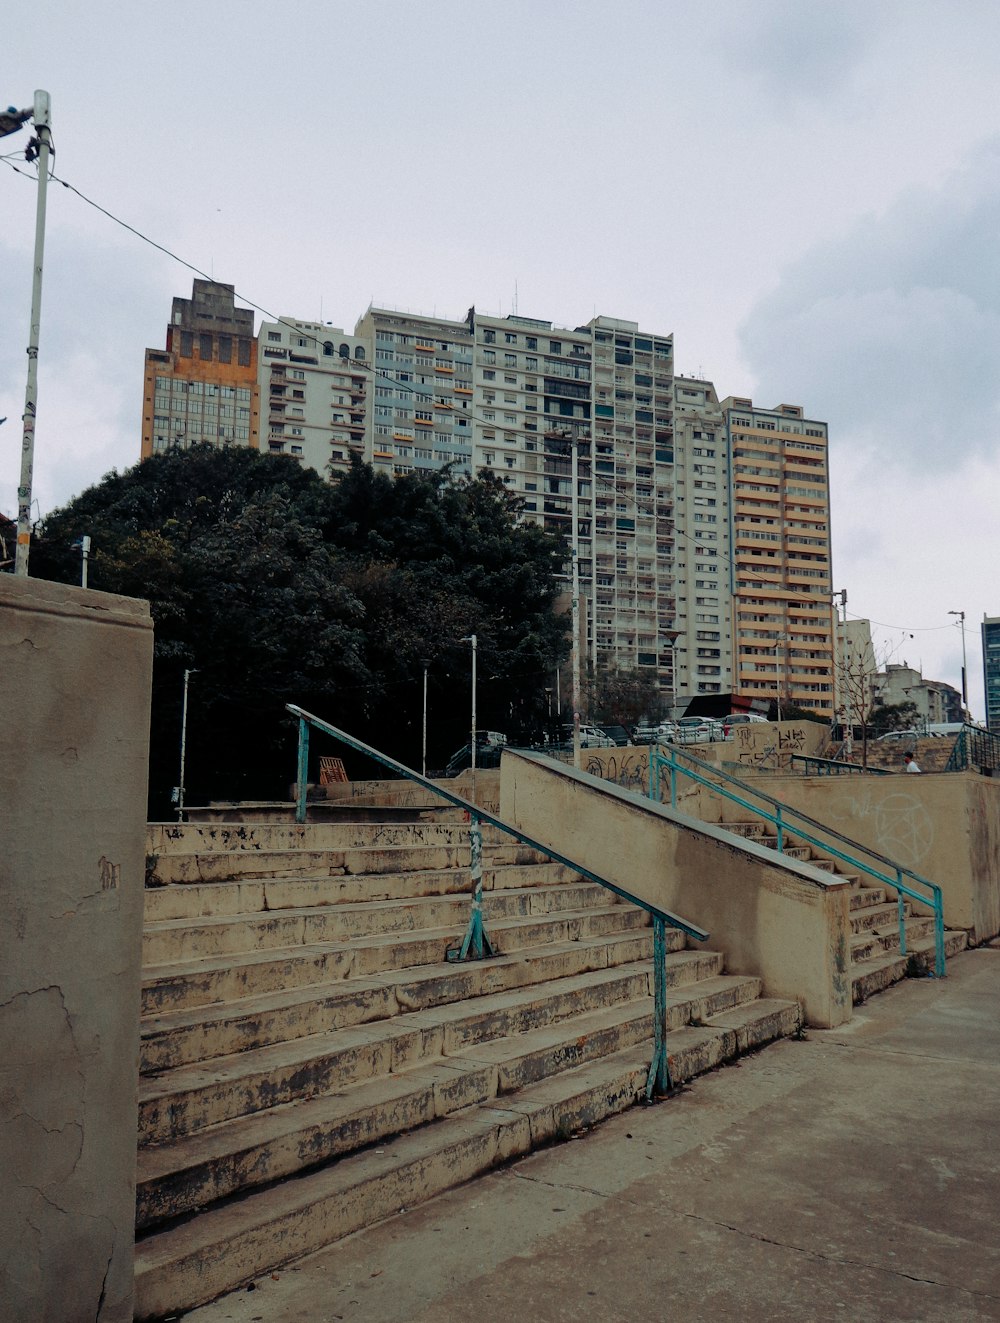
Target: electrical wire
[[372, 369]]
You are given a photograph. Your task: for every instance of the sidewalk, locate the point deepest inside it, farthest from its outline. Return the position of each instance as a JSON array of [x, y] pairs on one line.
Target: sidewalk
[[852, 1176]]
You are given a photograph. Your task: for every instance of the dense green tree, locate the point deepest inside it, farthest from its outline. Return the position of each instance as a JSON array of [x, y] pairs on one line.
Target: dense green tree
[[623, 695], [274, 586]]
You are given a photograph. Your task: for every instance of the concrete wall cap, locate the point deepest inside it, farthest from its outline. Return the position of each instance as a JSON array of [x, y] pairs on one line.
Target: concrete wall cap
[[816, 877]]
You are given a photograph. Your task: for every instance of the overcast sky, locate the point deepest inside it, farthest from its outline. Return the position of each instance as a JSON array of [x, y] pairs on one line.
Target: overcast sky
[[806, 194]]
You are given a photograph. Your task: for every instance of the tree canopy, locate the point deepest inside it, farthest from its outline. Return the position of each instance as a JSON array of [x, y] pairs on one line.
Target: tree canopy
[[274, 586]]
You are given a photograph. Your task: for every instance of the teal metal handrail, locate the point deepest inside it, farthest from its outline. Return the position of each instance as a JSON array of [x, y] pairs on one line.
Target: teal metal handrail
[[833, 767], [782, 818], [476, 944], [974, 747]]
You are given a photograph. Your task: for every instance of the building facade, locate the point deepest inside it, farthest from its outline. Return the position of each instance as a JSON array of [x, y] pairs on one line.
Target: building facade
[[315, 386], [991, 670], [701, 528], [782, 606], [934, 700], [203, 386]]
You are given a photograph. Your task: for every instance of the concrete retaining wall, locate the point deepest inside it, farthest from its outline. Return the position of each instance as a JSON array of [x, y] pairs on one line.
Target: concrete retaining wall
[[787, 923], [945, 826], [75, 671]]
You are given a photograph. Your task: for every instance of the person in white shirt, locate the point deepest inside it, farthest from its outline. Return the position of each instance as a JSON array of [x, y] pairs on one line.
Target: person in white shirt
[[911, 764]]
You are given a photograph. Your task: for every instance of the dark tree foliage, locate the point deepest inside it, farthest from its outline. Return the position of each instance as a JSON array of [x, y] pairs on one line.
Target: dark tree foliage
[[273, 586]]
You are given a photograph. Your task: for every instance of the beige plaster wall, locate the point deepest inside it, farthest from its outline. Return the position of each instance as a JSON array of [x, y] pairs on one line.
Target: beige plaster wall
[[75, 671], [787, 923], [945, 826]]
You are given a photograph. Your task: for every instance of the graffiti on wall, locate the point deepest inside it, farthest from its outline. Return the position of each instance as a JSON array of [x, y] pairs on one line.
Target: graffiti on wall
[[901, 827], [628, 768]]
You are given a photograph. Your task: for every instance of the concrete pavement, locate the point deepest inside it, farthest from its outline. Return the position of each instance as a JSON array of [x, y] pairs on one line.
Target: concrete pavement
[[851, 1176]]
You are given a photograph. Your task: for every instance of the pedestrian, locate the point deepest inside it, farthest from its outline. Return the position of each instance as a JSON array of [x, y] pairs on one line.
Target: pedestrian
[[911, 762]]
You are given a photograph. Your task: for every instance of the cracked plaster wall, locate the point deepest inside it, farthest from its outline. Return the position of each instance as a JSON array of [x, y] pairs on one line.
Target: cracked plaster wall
[[75, 671]]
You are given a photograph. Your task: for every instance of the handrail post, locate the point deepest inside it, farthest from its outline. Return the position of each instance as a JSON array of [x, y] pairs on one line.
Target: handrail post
[[302, 771], [901, 910], [673, 777], [658, 1081], [780, 829], [475, 944], [939, 968], [653, 790]]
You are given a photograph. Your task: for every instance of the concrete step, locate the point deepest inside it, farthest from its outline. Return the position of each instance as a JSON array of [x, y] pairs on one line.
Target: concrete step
[[863, 897], [881, 916], [881, 971], [225, 979], [192, 1097], [186, 1036], [256, 837], [170, 940], [224, 865], [487, 1048], [195, 1260], [191, 900], [873, 943], [385, 950]]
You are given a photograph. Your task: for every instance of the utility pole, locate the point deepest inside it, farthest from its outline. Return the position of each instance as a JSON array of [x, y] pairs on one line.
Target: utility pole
[[40, 147], [575, 553], [184, 726], [965, 688]]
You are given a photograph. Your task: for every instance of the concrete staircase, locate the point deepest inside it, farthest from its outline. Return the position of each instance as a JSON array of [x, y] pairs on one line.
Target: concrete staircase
[[311, 1063], [876, 961]]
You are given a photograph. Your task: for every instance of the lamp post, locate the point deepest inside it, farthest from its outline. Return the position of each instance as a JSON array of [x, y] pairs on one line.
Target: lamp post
[[184, 724], [423, 756], [965, 689], [471, 638], [41, 145]]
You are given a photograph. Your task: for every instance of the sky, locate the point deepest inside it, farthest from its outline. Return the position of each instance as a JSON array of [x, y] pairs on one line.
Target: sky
[[806, 194]]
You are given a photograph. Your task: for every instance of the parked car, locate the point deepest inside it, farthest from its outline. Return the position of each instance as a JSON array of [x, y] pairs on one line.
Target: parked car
[[487, 755], [740, 719], [617, 734], [591, 737], [893, 736], [644, 734], [697, 730]]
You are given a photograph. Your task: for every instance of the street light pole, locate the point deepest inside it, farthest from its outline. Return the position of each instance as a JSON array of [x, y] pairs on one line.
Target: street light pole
[[184, 724], [423, 760], [42, 120], [575, 554], [965, 687]]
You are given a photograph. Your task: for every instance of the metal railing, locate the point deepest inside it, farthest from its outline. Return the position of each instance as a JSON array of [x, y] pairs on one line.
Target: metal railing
[[786, 819], [975, 748], [815, 766], [476, 944]]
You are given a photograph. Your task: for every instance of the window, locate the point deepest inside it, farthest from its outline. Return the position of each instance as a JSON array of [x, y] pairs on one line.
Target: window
[[489, 337], [274, 335]]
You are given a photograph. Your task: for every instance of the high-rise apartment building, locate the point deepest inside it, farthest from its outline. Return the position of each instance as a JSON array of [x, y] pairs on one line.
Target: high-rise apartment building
[[203, 386], [781, 587], [422, 391], [991, 670], [701, 531], [701, 561], [315, 384]]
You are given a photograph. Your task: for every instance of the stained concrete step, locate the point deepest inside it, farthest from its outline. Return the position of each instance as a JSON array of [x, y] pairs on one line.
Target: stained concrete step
[[192, 900], [862, 897], [485, 1052], [885, 915], [873, 943], [193, 1097], [202, 838], [881, 971], [226, 865], [184, 985], [185, 1036], [193, 1261], [373, 953], [170, 940]]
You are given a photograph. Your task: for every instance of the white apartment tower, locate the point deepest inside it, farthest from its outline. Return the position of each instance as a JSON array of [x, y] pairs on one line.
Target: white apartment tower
[[315, 384], [422, 391]]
